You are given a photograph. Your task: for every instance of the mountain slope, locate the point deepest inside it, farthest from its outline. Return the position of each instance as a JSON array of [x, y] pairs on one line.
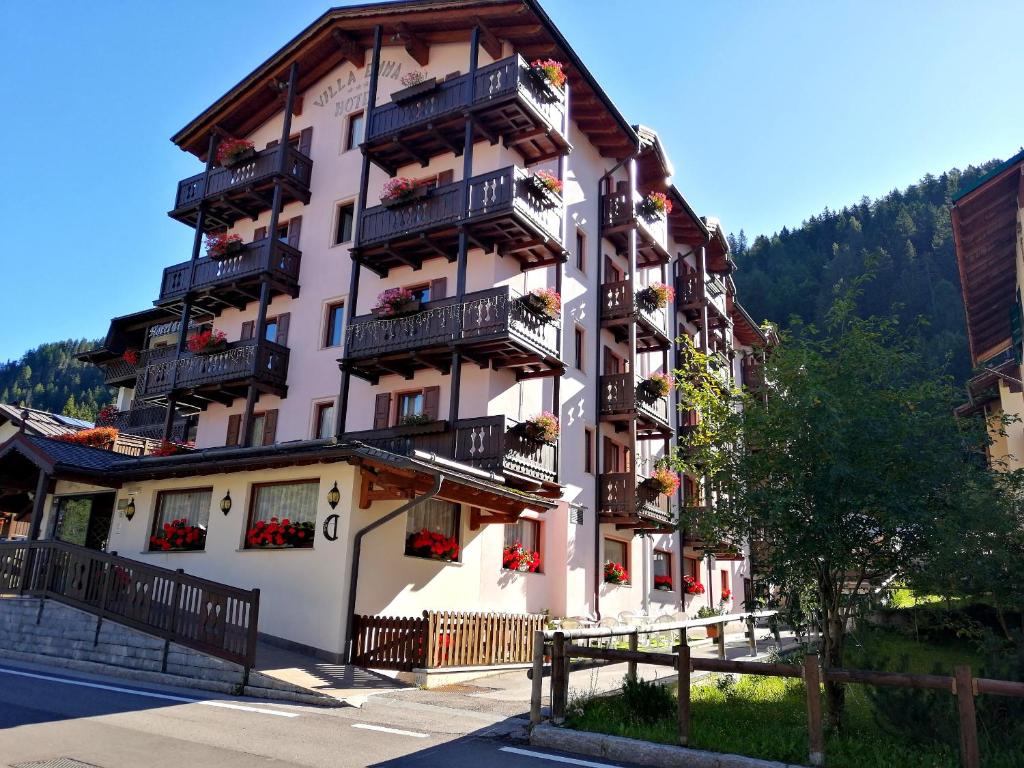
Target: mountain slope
[[51, 379]]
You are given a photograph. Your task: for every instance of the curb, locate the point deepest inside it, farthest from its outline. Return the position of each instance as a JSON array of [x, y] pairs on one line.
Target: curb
[[640, 752]]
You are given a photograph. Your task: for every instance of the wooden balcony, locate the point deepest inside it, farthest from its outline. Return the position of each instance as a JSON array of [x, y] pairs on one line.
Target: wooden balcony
[[235, 281], [218, 377], [120, 373], [505, 211], [622, 398], [146, 421], [619, 215], [627, 502], [493, 328], [621, 307], [689, 297], [492, 443], [506, 100], [245, 190]]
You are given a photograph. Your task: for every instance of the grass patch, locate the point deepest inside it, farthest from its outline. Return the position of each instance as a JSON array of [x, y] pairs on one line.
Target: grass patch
[[766, 717]]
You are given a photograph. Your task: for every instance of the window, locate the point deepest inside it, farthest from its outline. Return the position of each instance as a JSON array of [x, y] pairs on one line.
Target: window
[[282, 232], [354, 135], [616, 552], [410, 404], [693, 568], [578, 348], [588, 450], [259, 427], [181, 520], [72, 524], [335, 325], [345, 223], [724, 576], [663, 570], [271, 332], [272, 504], [581, 250], [324, 420], [432, 531], [420, 293], [526, 533]]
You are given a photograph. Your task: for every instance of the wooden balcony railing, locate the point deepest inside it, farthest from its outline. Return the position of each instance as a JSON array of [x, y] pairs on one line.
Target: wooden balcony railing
[[213, 618], [269, 257], [619, 214], [121, 372], [146, 421], [492, 443], [484, 316], [619, 301], [506, 97], [623, 393], [625, 497], [263, 166], [242, 361]]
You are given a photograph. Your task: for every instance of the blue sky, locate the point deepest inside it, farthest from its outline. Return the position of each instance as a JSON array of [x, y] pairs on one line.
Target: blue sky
[[770, 110]]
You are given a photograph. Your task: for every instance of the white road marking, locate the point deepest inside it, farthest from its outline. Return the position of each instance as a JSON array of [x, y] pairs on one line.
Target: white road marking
[[382, 729], [148, 694], [556, 758]]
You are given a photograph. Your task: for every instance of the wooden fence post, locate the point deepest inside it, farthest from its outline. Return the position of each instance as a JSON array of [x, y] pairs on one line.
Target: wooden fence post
[[721, 639], [969, 756], [815, 734], [634, 644], [559, 679], [429, 645], [683, 709], [752, 640], [537, 682]]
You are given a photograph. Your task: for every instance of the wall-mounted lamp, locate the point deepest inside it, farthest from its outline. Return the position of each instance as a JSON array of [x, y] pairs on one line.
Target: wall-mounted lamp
[[129, 511], [334, 496], [225, 503]]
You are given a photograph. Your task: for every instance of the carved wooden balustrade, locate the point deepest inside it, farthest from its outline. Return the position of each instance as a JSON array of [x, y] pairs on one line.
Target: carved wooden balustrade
[[623, 393], [625, 498], [145, 421], [619, 214], [269, 258], [621, 306], [120, 372], [241, 361]]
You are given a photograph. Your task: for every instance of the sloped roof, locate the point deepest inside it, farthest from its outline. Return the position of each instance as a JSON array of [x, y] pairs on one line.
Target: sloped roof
[[41, 422], [66, 460]]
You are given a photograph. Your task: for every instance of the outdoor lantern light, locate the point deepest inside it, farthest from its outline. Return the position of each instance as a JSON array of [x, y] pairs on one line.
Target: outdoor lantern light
[[225, 503], [129, 511], [334, 496]]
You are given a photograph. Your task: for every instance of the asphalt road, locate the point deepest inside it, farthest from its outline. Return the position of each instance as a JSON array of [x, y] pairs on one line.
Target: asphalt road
[[50, 713]]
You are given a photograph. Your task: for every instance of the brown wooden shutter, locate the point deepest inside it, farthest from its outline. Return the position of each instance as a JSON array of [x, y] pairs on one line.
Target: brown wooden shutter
[[445, 177], [234, 427], [282, 328], [294, 230], [432, 402], [438, 288], [272, 144], [261, 232], [382, 411], [305, 141], [270, 427], [248, 329]]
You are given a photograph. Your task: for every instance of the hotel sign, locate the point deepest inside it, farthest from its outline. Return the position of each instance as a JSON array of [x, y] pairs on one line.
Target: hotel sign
[[349, 93]]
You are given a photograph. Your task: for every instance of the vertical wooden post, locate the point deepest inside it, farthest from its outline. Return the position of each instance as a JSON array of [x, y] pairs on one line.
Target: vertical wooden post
[[633, 646], [752, 640], [537, 681], [815, 734], [559, 679], [720, 640], [175, 599], [683, 709], [969, 756]]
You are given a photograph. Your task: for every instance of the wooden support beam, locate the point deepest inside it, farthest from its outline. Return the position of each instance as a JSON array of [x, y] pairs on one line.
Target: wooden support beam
[[414, 44], [349, 48], [488, 39]]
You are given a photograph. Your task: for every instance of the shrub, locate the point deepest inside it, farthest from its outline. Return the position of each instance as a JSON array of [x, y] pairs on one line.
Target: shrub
[[647, 702]]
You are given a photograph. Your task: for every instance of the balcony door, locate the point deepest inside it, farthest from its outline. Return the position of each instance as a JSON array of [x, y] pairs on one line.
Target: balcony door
[[84, 519]]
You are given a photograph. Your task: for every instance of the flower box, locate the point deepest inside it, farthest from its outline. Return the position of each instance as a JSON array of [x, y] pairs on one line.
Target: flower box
[[663, 481], [655, 206], [519, 558], [655, 296], [546, 302], [220, 247], [546, 188], [411, 92], [542, 428], [655, 387], [550, 75], [615, 573], [178, 536], [432, 546], [401, 191], [663, 583], [691, 586], [395, 302], [234, 152], [280, 534], [207, 342]]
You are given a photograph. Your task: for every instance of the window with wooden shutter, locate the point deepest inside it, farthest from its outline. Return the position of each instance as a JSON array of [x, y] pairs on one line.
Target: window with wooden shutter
[[272, 144], [306, 141], [294, 230], [432, 402], [270, 427], [259, 234], [445, 177], [248, 330], [283, 322], [438, 288], [234, 428], [382, 411]]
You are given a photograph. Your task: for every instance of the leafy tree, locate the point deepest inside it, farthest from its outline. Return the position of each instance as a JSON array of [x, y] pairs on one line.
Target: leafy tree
[[850, 460]]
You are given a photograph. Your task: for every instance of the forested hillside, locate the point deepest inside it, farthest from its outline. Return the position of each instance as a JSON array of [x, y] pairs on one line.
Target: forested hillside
[[905, 238], [51, 379]]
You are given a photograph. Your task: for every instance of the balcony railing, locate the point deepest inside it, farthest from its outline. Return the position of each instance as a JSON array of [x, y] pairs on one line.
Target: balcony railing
[[146, 421], [623, 393], [120, 372], [282, 161], [625, 497], [492, 443], [484, 316], [621, 307], [516, 212], [506, 96], [269, 257], [264, 362], [619, 214]]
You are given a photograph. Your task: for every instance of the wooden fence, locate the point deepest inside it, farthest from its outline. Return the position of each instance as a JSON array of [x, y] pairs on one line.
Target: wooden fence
[[444, 639], [213, 618], [564, 645]]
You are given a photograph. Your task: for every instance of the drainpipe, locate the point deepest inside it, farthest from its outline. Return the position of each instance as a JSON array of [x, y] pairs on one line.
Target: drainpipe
[[357, 543]]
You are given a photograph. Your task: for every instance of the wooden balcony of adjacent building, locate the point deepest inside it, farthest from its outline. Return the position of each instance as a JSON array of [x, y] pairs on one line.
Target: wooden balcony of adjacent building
[[122, 372], [494, 328], [627, 502], [146, 421], [620, 214], [622, 397], [507, 211], [222, 376], [233, 281], [506, 100], [244, 190], [491, 443], [622, 307]]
